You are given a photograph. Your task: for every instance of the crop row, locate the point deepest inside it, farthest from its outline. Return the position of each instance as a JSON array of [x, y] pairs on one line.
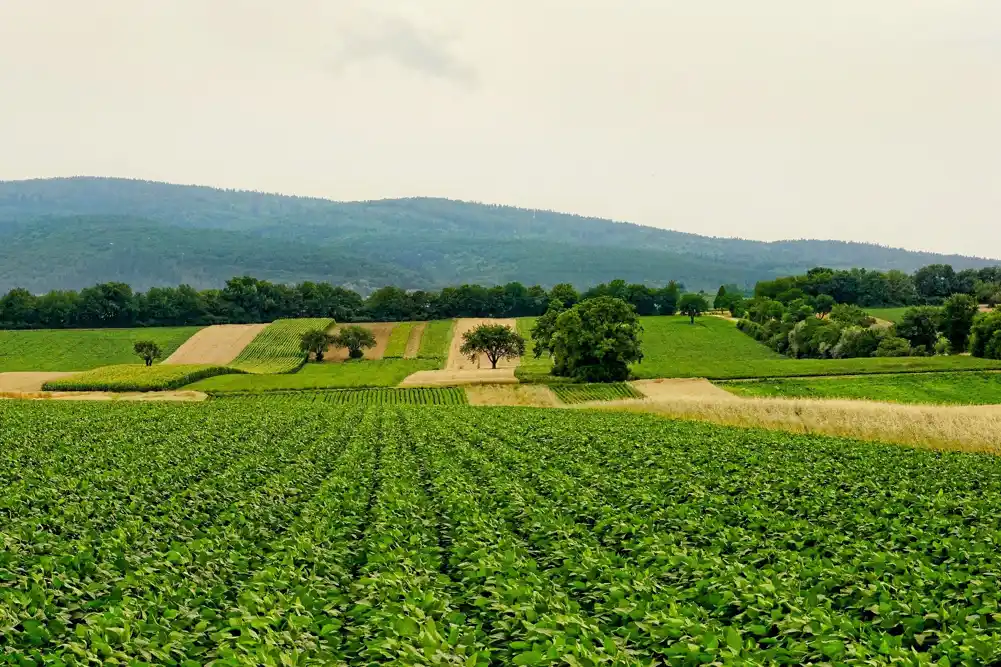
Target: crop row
[[137, 377], [398, 338], [582, 393], [380, 396], [276, 349], [232, 533]]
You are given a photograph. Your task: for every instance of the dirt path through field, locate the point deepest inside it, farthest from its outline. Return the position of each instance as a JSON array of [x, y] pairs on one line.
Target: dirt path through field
[[458, 362], [414, 342], [180, 396], [21, 381], [447, 378], [380, 330], [219, 344]]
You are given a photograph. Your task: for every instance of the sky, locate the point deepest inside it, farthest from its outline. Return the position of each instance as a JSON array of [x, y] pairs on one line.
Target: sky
[[773, 119]]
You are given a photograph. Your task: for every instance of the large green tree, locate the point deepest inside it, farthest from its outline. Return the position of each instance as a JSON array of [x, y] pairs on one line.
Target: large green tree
[[596, 340], [496, 341], [148, 350], [692, 305], [958, 313], [920, 326], [355, 338], [985, 339], [315, 342]]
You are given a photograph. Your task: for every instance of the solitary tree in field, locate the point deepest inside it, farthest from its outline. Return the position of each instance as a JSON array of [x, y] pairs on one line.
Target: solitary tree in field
[[595, 341], [692, 305], [148, 350], [496, 341], [315, 342], [356, 339]]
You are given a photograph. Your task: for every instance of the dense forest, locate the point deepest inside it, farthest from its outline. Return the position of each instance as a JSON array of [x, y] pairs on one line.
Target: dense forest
[[68, 233], [250, 299]]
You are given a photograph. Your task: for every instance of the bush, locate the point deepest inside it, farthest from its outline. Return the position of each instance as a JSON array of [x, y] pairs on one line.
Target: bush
[[893, 346], [856, 341], [752, 329], [849, 315]]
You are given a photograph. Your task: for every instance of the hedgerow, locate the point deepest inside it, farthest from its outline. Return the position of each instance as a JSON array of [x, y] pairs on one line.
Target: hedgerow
[[234, 533]]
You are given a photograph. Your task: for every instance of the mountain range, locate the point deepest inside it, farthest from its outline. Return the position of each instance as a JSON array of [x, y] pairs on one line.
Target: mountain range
[[67, 233]]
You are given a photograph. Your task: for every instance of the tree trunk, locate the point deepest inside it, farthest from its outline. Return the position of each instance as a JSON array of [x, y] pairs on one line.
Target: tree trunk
[[493, 360], [693, 318], [319, 355]]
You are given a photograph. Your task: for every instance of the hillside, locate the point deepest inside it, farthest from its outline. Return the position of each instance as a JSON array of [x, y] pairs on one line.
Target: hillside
[[72, 232]]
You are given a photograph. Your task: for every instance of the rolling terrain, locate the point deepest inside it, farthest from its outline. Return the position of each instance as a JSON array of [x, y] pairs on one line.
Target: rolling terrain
[[71, 232]]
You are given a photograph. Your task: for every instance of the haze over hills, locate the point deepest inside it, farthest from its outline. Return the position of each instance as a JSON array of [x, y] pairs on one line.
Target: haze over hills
[[67, 233]]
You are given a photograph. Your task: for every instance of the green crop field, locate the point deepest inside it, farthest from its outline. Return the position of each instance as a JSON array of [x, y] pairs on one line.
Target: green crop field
[[137, 377], [530, 368], [894, 315], [968, 388], [714, 348], [436, 340], [224, 533], [276, 348], [582, 393], [349, 374], [82, 349], [398, 338], [405, 396]]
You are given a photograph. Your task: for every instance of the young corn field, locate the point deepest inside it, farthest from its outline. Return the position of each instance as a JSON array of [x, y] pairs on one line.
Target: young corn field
[[276, 349], [405, 396], [582, 393], [235, 533]]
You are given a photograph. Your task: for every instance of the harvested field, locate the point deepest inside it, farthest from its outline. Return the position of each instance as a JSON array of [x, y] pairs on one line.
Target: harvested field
[[450, 378], [526, 395], [414, 342], [458, 362], [669, 388], [381, 331], [217, 345], [26, 381]]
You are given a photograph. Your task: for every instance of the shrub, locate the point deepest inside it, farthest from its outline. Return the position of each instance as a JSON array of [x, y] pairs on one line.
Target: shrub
[[856, 341], [849, 315], [893, 346], [985, 337]]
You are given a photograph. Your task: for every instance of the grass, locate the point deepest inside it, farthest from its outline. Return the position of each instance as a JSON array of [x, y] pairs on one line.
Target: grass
[[381, 396], [714, 348], [137, 377], [583, 393], [968, 388], [398, 338], [349, 374], [436, 340], [894, 315], [276, 348], [82, 349], [531, 369]]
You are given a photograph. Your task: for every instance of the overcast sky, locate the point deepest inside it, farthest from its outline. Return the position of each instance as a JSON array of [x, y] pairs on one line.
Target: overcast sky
[[870, 120]]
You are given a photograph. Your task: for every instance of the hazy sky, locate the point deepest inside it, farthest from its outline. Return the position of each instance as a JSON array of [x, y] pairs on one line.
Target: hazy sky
[[874, 120]]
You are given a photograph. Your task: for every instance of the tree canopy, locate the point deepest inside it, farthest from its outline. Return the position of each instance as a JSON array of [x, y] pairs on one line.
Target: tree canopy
[[595, 341], [495, 341], [355, 338], [148, 350]]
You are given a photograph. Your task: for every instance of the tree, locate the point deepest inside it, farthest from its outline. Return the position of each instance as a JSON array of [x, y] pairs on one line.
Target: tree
[[315, 342], [935, 282], [958, 313], [148, 350], [564, 294], [692, 305], [544, 328], [667, 298], [355, 338], [920, 326], [893, 346], [823, 304], [849, 315], [985, 337], [496, 341], [596, 340]]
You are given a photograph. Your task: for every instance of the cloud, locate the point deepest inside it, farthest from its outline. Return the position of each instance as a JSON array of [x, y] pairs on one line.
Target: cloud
[[396, 39]]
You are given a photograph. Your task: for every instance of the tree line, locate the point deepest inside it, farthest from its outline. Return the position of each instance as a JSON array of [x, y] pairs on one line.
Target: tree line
[[245, 300]]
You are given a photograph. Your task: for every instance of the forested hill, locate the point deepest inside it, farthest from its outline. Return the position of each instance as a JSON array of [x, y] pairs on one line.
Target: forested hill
[[67, 233]]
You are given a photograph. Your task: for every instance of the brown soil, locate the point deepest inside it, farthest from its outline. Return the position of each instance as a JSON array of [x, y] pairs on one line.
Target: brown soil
[[175, 396], [528, 395], [449, 378], [458, 362], [984, 308], [219, 344], [18, 382], [381, 330], [414, 342]]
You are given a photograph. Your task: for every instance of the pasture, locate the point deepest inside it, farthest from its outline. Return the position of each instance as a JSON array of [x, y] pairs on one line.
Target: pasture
[[351, 534], [436, 340], [348, 374], [968, 388], [894, 315], [82, 349]]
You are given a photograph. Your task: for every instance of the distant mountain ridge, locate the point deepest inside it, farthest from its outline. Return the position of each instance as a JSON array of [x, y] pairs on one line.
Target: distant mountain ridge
[[67, 233]]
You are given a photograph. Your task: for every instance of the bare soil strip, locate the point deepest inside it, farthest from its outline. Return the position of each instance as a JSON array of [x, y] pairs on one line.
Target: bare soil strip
[[458, 362], [181, 396], [18, 382], [414, 342], [528, 395], [380, 330], [218, 345], [447, 378]]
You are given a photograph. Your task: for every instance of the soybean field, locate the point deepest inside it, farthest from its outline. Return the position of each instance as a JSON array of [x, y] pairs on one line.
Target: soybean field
[[582, 393], [386, 396], [229, 533]]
